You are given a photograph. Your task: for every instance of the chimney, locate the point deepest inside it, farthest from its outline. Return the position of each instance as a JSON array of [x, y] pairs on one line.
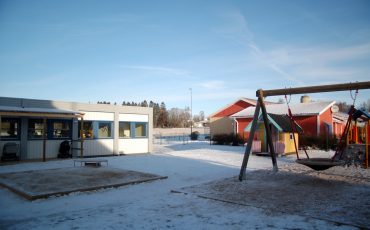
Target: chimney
[[305, 99]]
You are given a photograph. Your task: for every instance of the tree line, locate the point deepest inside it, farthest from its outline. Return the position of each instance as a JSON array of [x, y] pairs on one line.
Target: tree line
[[344, 107], [163, 117]]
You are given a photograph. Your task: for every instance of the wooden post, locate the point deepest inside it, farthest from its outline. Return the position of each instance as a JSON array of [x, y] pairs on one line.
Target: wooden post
[[0, 128], [249, 143], [82, 138], [356, 133], [318, 89], [349, 132], [367, 144], [268, 131], [44, 135]]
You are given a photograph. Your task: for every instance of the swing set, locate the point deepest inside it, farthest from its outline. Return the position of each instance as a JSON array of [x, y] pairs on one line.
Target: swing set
[[314, 163]]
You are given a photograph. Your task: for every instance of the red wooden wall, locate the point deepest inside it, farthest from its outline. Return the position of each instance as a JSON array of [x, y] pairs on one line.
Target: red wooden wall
[[242, 123], [234, 108]]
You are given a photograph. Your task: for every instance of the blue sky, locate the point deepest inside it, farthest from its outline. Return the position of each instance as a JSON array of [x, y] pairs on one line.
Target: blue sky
[[89, 51]]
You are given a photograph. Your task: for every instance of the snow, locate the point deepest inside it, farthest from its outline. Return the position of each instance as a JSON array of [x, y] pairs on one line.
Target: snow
[[152, 205], [300, 109]]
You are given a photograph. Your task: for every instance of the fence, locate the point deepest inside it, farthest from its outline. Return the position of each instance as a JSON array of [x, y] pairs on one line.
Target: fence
[[166, 136]]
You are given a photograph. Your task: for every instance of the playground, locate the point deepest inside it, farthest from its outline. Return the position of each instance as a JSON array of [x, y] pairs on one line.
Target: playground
[[315, 195], [201, 190], [190, 197]]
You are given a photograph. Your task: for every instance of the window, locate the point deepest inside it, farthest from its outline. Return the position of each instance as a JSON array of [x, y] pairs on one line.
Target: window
[[60, 129], [35, 129], [96, 129], [132, 129], [9, 128], [87, 129], [104, 129], [140, 130], [124, 129]]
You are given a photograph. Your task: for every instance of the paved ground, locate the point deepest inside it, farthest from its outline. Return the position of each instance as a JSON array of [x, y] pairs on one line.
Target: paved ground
[[201, 167], [38, 184], [307, 194]]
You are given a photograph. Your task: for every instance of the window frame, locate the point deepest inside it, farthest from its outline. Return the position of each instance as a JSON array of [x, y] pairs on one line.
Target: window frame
[[50, 129], [145, 127], [18, 129], [98, 127], [92, 129], [132, 125], [95, 129], [119, 130], [40, 120]]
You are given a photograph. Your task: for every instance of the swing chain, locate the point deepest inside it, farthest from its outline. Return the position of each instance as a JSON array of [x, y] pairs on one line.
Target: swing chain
[[286, 99], [354, 97], [287, 103]]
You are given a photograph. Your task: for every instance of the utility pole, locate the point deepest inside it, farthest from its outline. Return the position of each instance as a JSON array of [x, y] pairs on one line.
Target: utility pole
[[191, 110]]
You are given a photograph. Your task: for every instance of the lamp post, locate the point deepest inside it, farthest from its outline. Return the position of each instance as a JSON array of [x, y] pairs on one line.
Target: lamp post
[[191, 111]]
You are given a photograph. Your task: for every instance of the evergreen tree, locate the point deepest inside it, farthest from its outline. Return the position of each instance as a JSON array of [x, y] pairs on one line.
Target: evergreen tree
[[144, 104], [163, 116], [151, 104], [343, 107], [156, 111]]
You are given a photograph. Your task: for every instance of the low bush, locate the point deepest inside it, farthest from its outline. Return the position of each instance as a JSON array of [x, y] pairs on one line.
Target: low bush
[[318, 142], [194, 136], [227, 139]]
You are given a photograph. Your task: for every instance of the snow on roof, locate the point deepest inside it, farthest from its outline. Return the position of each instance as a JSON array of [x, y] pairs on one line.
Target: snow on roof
[[281, 122], [247, 100], [340, 117], [301, 109], [36, 110]]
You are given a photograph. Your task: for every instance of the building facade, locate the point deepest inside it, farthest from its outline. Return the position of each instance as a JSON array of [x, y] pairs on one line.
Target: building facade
[[315, 118], [222, 123], [39, 126]]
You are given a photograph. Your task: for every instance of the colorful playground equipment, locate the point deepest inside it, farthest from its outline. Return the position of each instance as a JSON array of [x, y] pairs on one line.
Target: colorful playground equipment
[[314, 163]]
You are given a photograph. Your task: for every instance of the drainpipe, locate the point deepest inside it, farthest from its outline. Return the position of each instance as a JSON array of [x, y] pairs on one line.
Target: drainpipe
[[318, 126], [236, 128]]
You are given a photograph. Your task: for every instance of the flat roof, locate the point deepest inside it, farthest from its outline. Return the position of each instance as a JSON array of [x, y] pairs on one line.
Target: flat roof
[[33, 111]]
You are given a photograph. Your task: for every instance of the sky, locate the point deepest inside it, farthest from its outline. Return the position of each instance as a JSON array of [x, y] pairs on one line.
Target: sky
[[89, 51]]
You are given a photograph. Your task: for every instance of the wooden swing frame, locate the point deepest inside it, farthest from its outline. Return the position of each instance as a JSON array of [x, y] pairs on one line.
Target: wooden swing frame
[[260, 94]]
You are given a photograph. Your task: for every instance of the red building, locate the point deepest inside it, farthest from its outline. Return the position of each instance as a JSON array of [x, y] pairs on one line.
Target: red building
[[222, 123], [315, 118]]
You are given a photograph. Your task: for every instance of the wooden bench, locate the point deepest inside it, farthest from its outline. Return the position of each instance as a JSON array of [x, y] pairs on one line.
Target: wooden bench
[[90, 162]]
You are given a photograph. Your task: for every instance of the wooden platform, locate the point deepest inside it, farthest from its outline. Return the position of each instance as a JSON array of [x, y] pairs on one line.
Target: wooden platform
[[39, 184], [90, 162]]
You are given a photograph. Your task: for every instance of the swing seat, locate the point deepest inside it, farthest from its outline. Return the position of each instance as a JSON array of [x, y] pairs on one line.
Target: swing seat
[[320, 164]]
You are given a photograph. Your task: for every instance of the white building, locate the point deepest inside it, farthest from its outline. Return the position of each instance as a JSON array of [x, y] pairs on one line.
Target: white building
[[39, 126]]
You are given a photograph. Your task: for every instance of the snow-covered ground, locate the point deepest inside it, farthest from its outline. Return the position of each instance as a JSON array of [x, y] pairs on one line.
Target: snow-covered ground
[[152, 205]]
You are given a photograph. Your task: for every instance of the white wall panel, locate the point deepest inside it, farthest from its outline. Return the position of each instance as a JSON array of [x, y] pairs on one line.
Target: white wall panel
[[35, 149], [136, 145], [98, 147], [134, 117], [98, 116]]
